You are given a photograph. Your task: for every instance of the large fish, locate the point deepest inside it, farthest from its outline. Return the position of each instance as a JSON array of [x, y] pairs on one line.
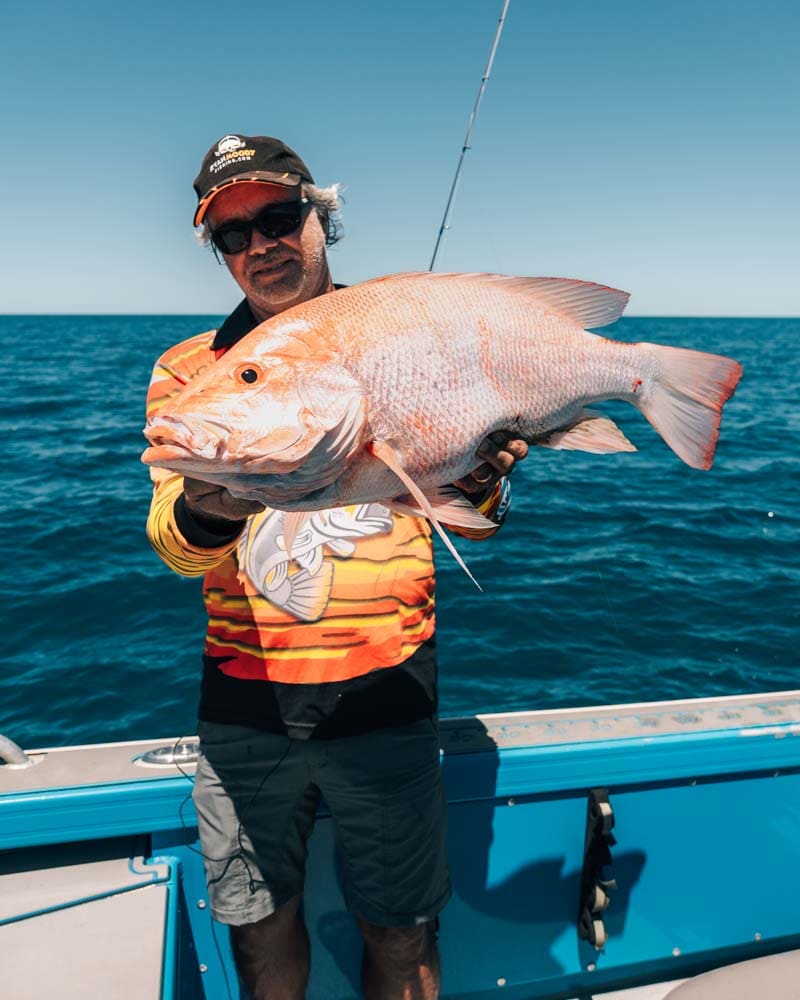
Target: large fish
[[383, 392]]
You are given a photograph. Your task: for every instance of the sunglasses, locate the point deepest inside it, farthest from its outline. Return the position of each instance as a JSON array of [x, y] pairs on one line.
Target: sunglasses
[[274, 221]]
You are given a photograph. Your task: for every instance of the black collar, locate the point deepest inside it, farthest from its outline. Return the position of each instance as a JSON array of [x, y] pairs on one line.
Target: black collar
[[240, 322]]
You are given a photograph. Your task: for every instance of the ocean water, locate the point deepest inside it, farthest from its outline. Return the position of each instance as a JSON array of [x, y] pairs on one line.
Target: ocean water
[[615, 579]]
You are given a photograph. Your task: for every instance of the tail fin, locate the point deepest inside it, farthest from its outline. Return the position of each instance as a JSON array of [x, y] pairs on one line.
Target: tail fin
[[685, 400]]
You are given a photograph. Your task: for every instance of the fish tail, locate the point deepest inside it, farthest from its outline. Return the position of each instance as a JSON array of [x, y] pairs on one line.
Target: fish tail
[[685, 399]]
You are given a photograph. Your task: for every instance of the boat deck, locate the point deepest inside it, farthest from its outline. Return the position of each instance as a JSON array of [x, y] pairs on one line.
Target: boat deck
[[99, 870], [82, 913]]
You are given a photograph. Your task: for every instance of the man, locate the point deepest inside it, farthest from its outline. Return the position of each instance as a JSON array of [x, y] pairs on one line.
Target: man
[[319, 672]]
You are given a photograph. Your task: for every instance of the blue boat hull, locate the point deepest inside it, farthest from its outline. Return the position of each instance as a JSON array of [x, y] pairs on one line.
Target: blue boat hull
[[705, 798]]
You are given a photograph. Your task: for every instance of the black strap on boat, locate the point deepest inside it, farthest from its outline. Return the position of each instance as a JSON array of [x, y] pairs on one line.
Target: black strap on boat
[[595, 886]]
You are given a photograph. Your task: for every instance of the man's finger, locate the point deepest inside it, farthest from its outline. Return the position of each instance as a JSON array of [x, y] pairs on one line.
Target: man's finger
[[479, 480], [517, 447], [508, 441], [199, 487], [503, 455], [498, 458], [238, 508], [483, 474], [215, 501]]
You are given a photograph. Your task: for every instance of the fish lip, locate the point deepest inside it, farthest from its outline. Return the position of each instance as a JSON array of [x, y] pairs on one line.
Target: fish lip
[[166, 431], [161, 432], [177, 453]]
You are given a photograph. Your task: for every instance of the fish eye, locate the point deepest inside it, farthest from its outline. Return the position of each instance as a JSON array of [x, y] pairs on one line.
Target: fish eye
[[247, 374]]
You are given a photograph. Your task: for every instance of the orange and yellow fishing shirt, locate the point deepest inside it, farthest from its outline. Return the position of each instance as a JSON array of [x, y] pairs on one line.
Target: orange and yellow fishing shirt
[[336, 640]]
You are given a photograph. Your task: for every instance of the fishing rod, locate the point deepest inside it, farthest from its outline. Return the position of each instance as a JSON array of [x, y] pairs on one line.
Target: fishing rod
[[454, 186]]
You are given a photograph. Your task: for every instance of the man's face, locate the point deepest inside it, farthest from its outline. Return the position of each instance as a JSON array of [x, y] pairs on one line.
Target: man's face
[[274, 274]]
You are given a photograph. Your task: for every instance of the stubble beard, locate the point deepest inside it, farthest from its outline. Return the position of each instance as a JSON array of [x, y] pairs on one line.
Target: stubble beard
[[297, 285]]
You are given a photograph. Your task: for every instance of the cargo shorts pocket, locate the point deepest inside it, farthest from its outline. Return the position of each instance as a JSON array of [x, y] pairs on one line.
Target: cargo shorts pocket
[[389, 811], [255, 812], [226, 871]]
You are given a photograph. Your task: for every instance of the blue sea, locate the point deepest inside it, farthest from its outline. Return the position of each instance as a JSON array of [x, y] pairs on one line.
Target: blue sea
[[616, 578]]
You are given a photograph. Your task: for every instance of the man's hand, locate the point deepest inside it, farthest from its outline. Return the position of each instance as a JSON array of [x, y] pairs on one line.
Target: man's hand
[[500, 452], [207, 501]]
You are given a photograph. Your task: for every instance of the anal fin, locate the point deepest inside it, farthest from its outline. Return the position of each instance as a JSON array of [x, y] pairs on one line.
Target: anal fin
[[593, 432]]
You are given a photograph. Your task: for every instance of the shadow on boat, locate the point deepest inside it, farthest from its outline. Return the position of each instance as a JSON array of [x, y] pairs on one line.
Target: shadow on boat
[[542, 895]]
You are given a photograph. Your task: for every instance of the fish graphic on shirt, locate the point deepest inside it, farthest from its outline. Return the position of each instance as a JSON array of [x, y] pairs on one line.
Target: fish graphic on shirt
[[305, 593]]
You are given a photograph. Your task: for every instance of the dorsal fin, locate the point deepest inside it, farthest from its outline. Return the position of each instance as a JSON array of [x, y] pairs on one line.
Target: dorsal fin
[[588, 304]]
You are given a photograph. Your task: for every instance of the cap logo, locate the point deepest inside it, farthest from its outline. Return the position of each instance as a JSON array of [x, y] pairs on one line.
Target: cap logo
[[228, 144], [230, 152]]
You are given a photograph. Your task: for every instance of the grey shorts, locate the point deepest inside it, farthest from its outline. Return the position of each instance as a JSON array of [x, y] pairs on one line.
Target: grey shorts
[[256, 796]]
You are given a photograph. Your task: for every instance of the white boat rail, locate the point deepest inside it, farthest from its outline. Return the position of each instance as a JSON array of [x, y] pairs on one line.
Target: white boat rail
[[12, 755]]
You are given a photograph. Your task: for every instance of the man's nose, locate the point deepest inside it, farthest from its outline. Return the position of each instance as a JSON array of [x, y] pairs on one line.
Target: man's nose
[[259, 243]]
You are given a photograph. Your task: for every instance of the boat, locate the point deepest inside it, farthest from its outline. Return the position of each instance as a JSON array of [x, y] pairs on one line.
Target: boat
[[630, 852]]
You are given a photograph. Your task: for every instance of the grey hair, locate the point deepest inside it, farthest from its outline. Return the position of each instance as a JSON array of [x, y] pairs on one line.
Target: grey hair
[[327, 202]]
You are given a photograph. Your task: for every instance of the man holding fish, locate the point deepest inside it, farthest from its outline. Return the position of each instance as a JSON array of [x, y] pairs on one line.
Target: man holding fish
[[300, 455], [320, 667]]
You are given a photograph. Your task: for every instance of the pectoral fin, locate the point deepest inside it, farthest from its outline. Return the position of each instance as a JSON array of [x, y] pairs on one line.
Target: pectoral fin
[[387, 455], [592, 432]]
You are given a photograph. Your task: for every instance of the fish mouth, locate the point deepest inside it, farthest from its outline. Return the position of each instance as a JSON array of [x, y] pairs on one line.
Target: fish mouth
[[166, 455], [192, 445], [173, 439], [300, 455]]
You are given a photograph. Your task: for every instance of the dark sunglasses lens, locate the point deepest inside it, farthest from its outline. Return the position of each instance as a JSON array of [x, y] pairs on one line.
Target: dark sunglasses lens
[[279, 220], [274, 221], [232, 240]]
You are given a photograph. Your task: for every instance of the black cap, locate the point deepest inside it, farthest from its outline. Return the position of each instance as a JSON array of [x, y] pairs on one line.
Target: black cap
[[246, 158]]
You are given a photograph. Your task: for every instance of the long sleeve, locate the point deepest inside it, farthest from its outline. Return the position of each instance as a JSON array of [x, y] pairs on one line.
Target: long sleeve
[[183, 546], [166, 537]]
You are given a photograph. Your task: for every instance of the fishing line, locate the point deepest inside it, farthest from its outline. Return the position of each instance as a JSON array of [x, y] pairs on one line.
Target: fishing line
[[236, 855], [451, 199], [454, 186]]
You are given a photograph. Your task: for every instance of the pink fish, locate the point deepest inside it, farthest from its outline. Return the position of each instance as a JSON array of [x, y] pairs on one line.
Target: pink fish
[[384, 390]]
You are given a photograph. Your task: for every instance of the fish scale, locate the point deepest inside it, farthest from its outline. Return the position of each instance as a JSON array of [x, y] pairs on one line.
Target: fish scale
[[465, 398]]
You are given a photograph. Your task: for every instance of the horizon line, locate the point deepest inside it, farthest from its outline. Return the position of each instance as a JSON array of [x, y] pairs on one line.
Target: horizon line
[[84, 315]]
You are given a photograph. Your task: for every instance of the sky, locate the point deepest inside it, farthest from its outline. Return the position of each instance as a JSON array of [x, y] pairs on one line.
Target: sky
[[654, 147]]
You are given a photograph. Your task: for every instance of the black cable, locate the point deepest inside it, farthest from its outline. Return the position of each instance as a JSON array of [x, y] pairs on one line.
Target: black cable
[[240, 853], [237, 855]]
